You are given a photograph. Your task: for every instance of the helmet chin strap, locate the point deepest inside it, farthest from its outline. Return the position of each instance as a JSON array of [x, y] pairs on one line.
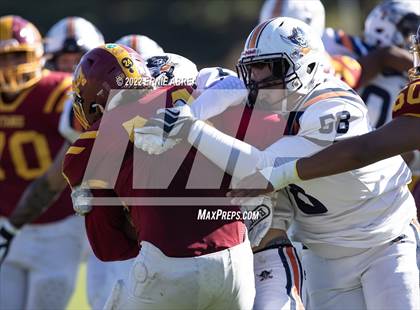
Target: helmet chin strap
[[96, 105], [252, 95]]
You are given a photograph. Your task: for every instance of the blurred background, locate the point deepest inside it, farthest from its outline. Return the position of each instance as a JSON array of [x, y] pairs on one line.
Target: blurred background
[[209, 32]]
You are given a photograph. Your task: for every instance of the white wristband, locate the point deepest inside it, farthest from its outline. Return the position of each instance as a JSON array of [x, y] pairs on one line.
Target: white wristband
[[282, 175], [10, 228]]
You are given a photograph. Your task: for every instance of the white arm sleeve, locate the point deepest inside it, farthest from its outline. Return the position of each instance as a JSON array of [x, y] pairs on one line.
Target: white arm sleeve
[[245, 159], [207, 77], [65, 128], [220, 96], [318, 128]]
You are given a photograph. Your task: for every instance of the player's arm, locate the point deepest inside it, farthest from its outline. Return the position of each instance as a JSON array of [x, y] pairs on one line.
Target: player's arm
[[110, 232], [69, 127], [39, 195], [34, 201], [391, 57], [396, 137]]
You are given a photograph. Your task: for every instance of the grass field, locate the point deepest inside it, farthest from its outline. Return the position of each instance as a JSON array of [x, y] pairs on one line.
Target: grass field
[[79, 299]]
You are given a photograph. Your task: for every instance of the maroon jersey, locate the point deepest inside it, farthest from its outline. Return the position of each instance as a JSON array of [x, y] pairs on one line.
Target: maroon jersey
[[408, 101], [29, 141], [173, 229]]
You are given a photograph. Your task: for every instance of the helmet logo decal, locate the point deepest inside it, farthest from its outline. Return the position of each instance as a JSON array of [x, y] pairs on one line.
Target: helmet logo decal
[[128, 64], [297, 37], [119, 79], [158, 65], [80, 80], [250, 52]]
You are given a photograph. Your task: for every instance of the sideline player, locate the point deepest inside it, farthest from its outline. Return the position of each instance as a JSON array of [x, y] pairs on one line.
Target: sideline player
[[40, 269]]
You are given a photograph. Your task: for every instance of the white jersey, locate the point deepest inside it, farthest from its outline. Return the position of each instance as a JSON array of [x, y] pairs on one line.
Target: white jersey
[[361, 208], [380, 93]]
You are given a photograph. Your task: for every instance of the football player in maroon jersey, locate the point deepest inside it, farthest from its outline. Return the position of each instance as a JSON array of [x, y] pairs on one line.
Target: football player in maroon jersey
[[172, 238], [43, 259]]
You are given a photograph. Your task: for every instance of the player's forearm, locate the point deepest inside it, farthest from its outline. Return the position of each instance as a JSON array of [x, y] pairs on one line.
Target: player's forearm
[[41, 193], [332, 160], [34, 201], [376, 61], [396, 137]]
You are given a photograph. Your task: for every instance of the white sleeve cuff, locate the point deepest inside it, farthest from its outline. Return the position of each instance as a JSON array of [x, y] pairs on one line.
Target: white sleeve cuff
[[282, 175], [236, 157]]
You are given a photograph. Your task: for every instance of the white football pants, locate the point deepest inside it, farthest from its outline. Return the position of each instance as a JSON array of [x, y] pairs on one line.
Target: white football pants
[[278, 279], [221, 280], [383, 277], [41, 267]]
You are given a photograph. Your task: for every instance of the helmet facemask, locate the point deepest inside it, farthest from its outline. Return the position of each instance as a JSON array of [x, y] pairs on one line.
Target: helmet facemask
[[405, 29], [18, 77], [273, 91]]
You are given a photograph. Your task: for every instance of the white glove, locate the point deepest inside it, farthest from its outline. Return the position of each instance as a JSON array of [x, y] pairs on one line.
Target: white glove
[[81, 198], [281, 175], [151, 143], [257, 229], [168, 124], [7, 233]]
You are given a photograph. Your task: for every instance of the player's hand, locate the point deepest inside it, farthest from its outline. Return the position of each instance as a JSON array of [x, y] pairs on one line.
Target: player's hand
[[266, 180], [258, 227], [251, 186], [152, 144], [7, 233], [81, 198], [397, 58], [166, 129]]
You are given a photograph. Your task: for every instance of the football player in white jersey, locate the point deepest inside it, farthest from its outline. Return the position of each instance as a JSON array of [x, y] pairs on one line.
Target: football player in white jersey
[[145, 46], [277, 267], [389, 24], [311, 12], [356, 225], [67, 41]]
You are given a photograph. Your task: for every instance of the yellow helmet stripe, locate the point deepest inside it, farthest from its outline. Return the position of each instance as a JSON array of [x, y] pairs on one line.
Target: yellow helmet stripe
[[124, 60], [6, 26]]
